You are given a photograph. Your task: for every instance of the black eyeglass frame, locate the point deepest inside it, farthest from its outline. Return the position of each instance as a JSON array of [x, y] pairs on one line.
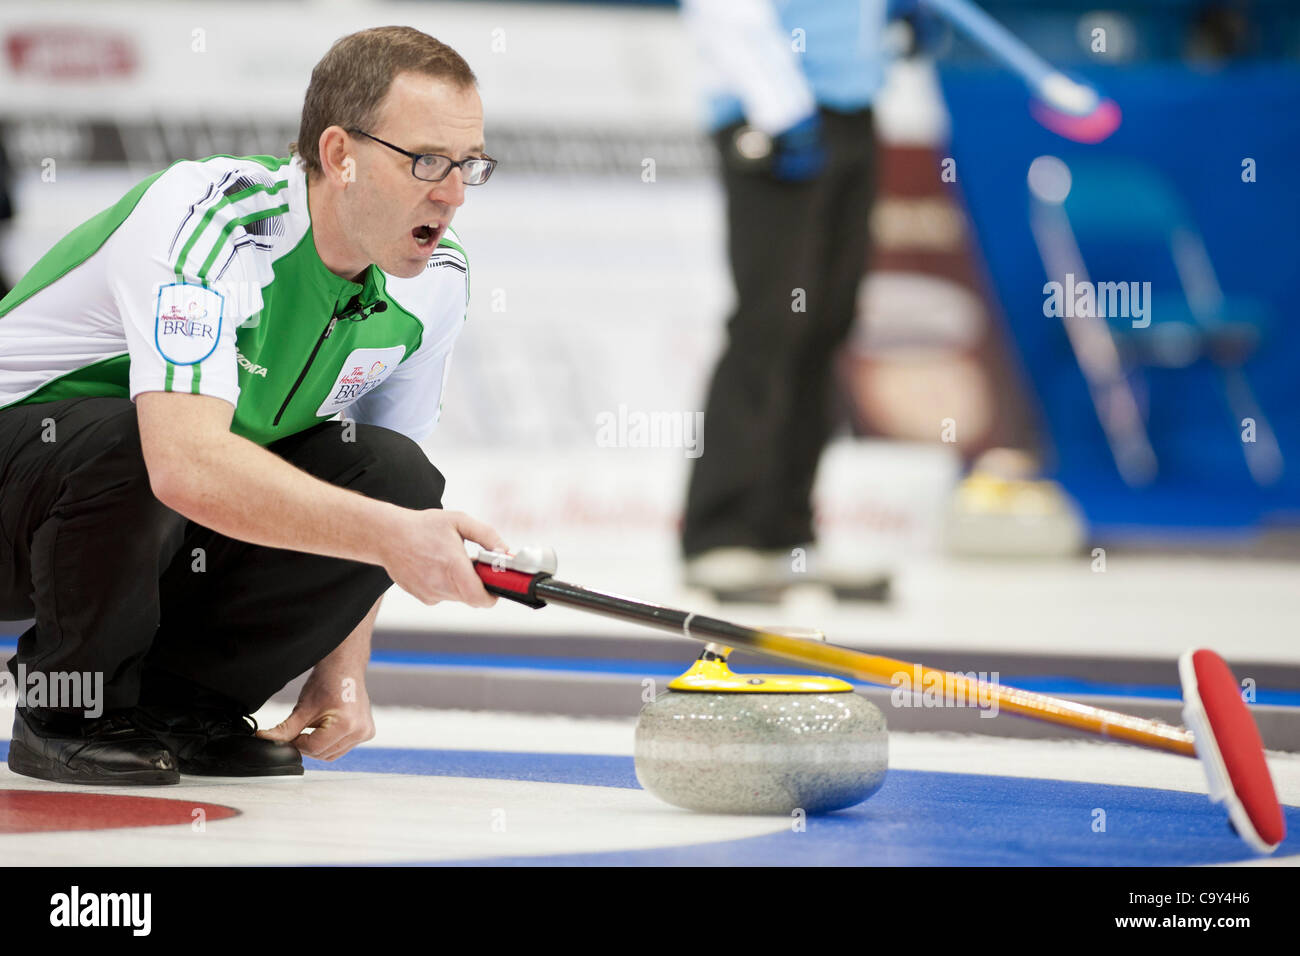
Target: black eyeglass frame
[[452, 163]]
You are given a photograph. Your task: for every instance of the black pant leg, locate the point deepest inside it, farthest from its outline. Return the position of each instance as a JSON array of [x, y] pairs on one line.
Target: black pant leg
[[256, 617], [85, 541], [845, 224], [736, 486]]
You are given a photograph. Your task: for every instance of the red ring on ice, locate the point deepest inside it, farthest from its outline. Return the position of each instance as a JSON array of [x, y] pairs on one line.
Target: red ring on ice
[[47, 811]]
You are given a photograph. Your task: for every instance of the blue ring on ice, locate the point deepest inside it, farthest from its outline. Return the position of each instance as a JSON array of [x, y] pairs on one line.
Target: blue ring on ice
[[918, 818]]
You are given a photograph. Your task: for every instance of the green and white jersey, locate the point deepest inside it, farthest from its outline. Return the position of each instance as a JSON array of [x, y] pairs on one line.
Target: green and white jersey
[[205, 278]]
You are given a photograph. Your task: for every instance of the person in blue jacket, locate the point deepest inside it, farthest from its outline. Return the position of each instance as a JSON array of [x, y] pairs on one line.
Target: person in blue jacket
[[790, 86]]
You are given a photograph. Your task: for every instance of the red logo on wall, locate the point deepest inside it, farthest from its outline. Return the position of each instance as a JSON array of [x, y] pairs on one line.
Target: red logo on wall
[[70, 53]]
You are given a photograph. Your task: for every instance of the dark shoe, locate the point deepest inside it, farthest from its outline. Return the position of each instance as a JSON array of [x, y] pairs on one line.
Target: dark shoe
[[859, 587], [753, 576], [106, 750], [741, 575], [216, 743]]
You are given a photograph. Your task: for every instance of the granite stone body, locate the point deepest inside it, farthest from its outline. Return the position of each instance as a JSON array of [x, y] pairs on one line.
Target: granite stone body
[[761, 753]]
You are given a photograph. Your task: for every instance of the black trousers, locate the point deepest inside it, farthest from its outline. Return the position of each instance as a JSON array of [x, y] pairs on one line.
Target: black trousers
[[166, 609], [768, 414]]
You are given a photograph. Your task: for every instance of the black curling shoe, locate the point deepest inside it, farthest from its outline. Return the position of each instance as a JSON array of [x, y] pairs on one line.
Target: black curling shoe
[[106, 750], [218, 743]]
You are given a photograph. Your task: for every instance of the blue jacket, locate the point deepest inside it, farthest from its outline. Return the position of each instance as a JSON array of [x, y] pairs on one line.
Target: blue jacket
[[771, 63]]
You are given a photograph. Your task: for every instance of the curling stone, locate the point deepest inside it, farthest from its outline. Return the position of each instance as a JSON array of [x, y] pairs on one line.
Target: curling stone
[[721, 742]]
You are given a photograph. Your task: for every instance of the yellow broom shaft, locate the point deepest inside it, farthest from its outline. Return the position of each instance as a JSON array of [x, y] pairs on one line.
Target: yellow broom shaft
[[892, 673], [865, 667]]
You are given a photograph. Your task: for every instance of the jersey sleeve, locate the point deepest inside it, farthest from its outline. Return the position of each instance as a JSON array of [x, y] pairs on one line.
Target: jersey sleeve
[[179, 282], [744, 51], [410, 400]]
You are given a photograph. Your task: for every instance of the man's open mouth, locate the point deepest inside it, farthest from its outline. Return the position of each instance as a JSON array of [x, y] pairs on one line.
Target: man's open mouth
[[425, 235]]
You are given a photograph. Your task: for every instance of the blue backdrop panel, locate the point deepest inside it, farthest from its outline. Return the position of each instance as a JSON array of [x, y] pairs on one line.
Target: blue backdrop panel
[[1193, 130]]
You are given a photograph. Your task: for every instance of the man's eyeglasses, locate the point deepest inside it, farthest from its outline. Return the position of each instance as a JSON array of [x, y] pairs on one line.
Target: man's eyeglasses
[[433, 168]]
